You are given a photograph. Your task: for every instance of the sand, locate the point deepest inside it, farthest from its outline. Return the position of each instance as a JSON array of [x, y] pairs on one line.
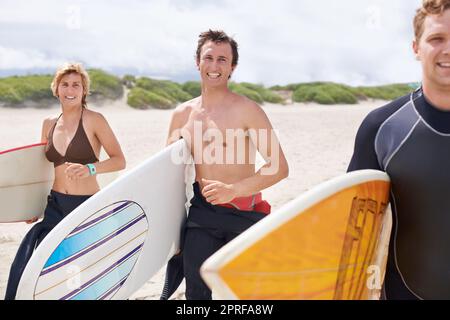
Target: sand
[[316, 139]]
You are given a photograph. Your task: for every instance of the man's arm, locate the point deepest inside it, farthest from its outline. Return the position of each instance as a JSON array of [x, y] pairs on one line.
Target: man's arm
[[275, 169], [264, 137], [364, 155], [177, 121]]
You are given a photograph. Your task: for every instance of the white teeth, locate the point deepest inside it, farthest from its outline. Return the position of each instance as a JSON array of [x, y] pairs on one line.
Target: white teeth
[[444, 64], [70, 98], [213, 75]]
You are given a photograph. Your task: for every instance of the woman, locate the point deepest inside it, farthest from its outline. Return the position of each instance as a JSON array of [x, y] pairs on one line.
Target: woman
[[74, 139]]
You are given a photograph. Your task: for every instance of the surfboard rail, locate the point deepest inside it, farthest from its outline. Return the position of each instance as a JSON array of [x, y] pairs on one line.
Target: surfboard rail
[[252, 252]]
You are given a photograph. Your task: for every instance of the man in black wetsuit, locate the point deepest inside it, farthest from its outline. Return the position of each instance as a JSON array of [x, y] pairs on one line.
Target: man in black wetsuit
[[409, 139]]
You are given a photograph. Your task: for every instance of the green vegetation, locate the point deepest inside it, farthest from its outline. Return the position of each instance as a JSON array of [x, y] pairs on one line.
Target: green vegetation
[[387, 92], [266, 94], [194, 88], [164, 88], [14, 90], [145, 92], [176, 93], [150, 93], [334, 93], [324, 93], [142, 99], [17, 90], [105, 85], [244, 91]]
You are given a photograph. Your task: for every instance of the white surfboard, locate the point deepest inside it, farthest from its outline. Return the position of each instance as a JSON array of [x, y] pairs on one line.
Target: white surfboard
[[25, 182], [26, 179], [114, 242], [325, 244]]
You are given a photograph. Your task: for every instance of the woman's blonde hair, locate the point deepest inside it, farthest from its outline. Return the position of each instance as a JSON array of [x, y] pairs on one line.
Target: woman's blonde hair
[[72, 68], [429, 7]]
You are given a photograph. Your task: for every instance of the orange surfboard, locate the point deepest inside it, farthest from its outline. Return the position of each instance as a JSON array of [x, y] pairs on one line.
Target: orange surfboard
[[329, 243]]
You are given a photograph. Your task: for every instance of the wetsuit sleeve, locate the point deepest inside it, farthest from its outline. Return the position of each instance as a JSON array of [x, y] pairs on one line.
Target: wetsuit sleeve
[[364, 156]]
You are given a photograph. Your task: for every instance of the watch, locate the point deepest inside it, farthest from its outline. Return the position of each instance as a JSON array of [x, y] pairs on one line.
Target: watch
[[92, 169]]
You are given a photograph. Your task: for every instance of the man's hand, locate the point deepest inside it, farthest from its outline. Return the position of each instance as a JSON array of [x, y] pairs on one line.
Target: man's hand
[[75, 171], [216, 192]]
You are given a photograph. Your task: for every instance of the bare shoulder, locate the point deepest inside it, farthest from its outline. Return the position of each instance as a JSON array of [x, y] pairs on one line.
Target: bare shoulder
[[247, 107], [49, 121], [93, 117], [183, 111], [47, 125]]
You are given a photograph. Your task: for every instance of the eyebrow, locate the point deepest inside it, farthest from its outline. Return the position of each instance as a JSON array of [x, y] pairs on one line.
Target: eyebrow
[[434, 34], [74, 82], [210, 55]]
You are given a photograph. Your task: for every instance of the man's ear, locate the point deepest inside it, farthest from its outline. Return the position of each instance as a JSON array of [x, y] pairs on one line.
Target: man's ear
[[232, 69], [415, 47]]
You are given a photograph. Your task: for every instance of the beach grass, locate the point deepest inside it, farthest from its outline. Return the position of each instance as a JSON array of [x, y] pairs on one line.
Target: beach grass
[[105, 85], [143, 99], [15, 91], [335, 93], [145, 92]]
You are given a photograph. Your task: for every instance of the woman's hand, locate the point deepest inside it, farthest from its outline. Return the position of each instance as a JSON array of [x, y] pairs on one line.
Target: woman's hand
[[76, 171], [33, 220]]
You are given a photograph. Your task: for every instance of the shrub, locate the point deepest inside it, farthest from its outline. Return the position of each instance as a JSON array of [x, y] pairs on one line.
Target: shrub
[[165, 88], [324, 93], [15, 90], [105, 85], [251, 94], [194, 88], [142, 99], [386, 92], [266, 94]]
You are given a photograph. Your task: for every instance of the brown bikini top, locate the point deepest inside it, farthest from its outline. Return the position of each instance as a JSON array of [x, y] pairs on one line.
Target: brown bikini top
[[79, 149]]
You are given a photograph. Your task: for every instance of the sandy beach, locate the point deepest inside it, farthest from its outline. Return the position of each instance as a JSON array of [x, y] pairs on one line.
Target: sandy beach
[[317, 141]]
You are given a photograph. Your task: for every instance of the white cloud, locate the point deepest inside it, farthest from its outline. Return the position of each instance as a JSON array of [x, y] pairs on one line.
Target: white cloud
[[280, 42], [23, 60]]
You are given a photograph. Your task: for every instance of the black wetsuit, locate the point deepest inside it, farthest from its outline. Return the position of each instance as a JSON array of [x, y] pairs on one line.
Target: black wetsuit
[[409, 139], [59, 205], [207, 228]]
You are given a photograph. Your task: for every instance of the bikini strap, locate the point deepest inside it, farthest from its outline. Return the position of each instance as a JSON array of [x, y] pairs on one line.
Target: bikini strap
[[50, 133]]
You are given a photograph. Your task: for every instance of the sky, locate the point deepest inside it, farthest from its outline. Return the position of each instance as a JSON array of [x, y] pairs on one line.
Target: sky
[[280, 41]]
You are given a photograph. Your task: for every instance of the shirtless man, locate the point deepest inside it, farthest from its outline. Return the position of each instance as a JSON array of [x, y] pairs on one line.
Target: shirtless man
[[223, 130]]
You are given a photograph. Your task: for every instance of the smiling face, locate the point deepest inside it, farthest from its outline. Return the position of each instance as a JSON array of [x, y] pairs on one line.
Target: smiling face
[[433, 51], [70, 89], [215, 63]]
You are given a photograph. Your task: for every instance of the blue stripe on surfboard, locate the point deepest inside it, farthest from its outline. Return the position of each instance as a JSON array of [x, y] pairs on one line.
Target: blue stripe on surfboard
[[107, 279], [113, 291], [80, 241], [103, 282], [111, 212], [89, 249]]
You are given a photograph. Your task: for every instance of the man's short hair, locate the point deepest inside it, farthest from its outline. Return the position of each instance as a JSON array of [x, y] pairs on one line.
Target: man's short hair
[[429, 7], [217, 36]]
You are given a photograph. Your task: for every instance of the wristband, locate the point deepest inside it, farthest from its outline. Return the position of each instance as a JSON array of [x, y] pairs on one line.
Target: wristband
[[92, 169]]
